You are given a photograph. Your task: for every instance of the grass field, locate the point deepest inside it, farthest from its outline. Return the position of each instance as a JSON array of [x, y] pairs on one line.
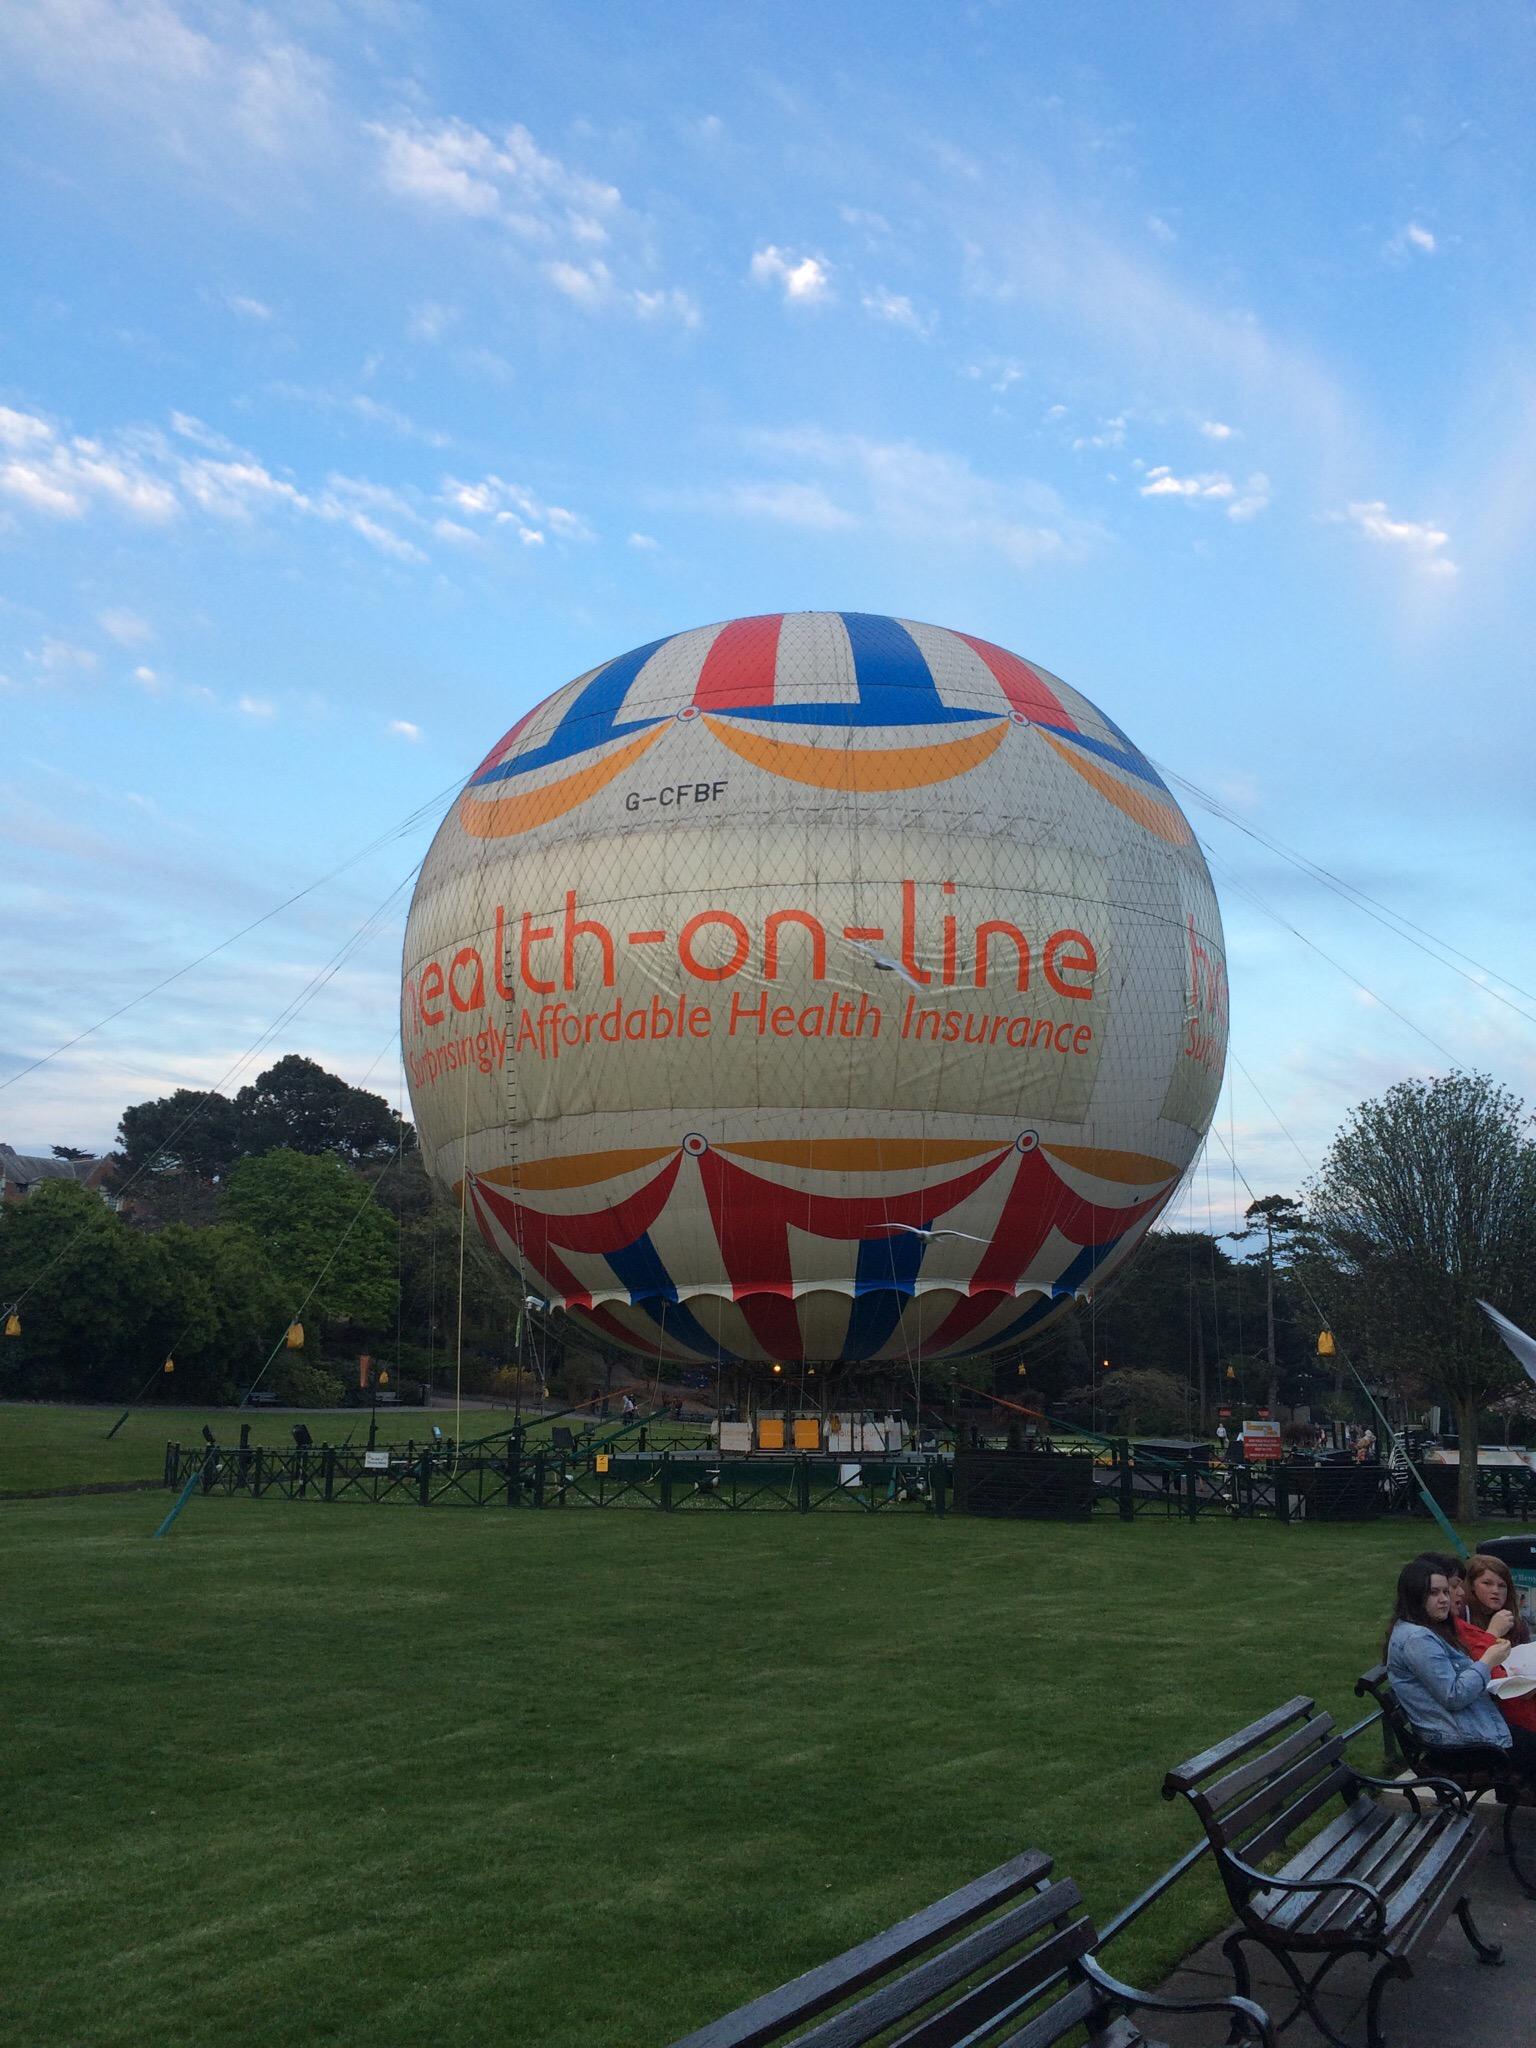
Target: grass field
[[304, 1774], [44, 1446]]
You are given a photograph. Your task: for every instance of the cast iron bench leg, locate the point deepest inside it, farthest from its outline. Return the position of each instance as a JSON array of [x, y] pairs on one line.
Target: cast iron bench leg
[[1487, 1951]]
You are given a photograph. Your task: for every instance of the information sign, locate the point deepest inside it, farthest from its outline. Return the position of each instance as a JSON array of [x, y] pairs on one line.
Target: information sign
[[1261, 1442]]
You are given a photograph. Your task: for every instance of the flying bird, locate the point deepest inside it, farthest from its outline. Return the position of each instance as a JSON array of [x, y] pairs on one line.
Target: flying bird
[[884, 962], [927, 1236]]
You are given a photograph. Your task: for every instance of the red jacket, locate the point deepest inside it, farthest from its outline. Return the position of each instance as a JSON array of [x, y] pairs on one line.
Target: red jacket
[[1519, 1713]]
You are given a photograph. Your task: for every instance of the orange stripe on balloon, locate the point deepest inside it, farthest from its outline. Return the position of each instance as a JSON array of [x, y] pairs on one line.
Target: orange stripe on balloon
[[577, 1170], [872, 768], [503, 817], [1131, 1169], [859, 1155], [1157, 817]]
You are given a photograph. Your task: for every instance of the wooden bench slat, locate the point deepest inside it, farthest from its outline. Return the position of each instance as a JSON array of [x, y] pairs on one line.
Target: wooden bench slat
[[766, 2019], [1309, 1736], [1047, 2028], [985, 2007], [1321, 1765], [1277, 1832], [900, 1997], [1455, 1844], [1186, 1777], [1366, 1854]]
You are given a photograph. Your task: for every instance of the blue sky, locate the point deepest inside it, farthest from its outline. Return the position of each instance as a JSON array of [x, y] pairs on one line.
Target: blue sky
[[368, 370]]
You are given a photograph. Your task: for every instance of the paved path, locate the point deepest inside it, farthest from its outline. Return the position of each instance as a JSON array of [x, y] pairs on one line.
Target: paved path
[[1451, 2001]]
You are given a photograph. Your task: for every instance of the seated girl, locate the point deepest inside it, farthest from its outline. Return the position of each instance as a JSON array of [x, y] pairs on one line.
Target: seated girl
[[1490, 1595], [1442, 1690]]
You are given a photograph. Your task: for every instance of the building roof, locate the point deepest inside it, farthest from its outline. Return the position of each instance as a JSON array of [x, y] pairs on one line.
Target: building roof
[[23, 1169]]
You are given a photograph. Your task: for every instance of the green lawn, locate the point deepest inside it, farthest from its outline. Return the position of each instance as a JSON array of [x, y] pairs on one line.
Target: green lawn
[[303, 1773], [43, 1446]]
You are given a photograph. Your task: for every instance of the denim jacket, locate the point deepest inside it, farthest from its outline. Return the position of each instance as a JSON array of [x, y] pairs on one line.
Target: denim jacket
[[1443, 1693]]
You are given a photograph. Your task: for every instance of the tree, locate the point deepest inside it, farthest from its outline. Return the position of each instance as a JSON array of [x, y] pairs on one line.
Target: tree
[[1427, 1200], [181, 1133], [97, 1302], [71, 1152], [1276, 1219], [298, 1107], [320, 1229]]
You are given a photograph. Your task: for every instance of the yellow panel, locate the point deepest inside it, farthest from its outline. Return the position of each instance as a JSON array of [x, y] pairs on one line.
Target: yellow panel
[[1134, 1169], [807, 1434], [870, 768], [503, 817], [770, 1433], [577, 1170], [860, 1155], [601, 1461]]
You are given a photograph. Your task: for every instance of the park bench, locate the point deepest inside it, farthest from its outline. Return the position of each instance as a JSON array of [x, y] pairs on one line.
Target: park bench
[[1006, 1960], [1373, 1881], [1501, 1777]]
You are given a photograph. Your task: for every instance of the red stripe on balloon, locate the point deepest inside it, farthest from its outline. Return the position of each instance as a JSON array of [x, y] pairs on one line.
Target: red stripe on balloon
[[739, 670], [1026, 690], [1038, 1203], [494, 756]]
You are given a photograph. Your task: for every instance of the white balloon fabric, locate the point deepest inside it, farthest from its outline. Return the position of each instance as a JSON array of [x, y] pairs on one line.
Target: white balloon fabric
[[819, 986]]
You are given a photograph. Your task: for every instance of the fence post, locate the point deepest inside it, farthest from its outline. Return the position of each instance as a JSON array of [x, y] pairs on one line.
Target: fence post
[[802, 1485], [538, 1479], [1282, 1496], [1127, 1480], [328, 1468], [514, 1474], [1192, 1492], [666, 1479], [938, 1481], [424, 1479], [172, 1463], [256, 1473]]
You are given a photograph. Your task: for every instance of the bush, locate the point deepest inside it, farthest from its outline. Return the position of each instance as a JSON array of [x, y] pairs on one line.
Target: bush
[[303, 1385]]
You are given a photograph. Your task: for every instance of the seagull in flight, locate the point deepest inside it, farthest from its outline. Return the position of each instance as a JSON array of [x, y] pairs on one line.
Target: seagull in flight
[[928, 1236], [884, 962]]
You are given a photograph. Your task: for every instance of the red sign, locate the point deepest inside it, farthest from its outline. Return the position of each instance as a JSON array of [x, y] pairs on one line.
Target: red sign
[[1261, 1442]]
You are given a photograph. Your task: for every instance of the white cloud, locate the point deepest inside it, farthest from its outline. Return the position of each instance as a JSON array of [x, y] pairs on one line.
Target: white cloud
[[430, 321], [1243, 502], [459, 168], [402, 728], [1416, 537], [1410, 238], [899, 310], [1111, 434], [247, 308], [1253, 499], [205, 102], [1159, 229], [64, 477], [362, 405], [785, 504], [804, 280], [256, 707], [505, 504], [57, 659], [147, 679], [646, 543], [1216, 430], [873, 224], [126, 628], [456, 535], [920, 497], [1162, 483]]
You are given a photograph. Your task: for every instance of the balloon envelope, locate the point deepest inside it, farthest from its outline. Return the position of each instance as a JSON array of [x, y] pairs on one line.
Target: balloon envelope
[[816, 986]]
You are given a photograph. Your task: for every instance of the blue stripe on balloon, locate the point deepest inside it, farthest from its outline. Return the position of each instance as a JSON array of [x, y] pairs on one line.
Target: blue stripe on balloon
[[895, 685], [1128, 757], [885, 1279], [1067, 1283], [591, 719], [638, 1268]]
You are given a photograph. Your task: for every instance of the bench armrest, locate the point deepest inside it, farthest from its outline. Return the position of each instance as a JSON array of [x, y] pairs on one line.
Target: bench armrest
[[1447, 1792], [1261, 1880], [1261, 2029]]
